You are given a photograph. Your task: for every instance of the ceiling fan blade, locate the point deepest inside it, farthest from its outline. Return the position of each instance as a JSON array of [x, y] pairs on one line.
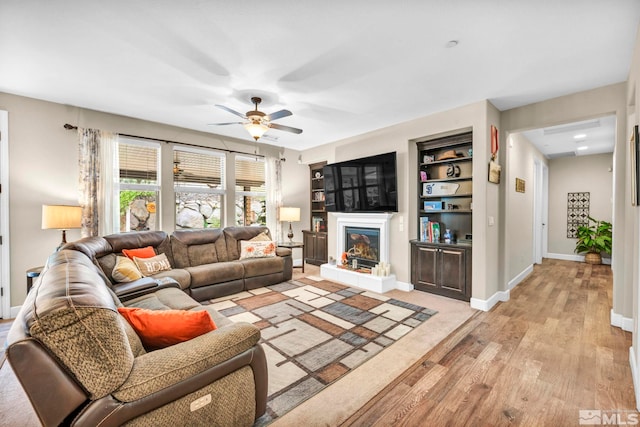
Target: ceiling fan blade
[[231, 111], [278, 115], [284, 128], [223, 124]]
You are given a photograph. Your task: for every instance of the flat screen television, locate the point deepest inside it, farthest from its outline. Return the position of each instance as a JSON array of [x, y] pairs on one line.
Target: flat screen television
[[368, 184]]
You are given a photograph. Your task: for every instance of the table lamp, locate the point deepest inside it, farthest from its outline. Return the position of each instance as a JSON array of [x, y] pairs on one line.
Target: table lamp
[[291, 215], [61, 217]]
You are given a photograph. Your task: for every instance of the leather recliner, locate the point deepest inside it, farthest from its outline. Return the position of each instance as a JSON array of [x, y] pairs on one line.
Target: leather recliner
[[81, 364]]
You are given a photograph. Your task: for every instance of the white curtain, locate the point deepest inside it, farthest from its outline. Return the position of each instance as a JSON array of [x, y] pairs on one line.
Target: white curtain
[[96, 155], [108, 198], [274, 195]]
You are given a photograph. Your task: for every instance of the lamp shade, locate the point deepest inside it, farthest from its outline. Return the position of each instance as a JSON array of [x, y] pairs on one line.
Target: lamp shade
[[256, 130], [289, 214], [61, 217]]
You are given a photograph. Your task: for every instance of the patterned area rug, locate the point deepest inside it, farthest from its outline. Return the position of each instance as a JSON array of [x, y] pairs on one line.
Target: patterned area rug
[[315, 331]]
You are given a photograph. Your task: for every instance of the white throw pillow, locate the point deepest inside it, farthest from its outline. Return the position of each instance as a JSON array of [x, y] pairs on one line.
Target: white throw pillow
[[257, 249]]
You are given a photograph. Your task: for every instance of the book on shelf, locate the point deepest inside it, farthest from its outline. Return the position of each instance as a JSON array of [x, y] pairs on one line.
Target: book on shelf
[[429, 230], [435, 232], [318, 223], [424, 224]]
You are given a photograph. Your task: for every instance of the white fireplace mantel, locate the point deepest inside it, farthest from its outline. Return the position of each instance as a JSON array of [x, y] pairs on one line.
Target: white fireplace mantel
[[370, 220], [381, 221]]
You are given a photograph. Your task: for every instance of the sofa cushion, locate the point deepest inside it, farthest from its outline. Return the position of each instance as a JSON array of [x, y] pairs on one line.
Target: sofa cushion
[[136, 239], [204, 275], [196, 247], [234, 235], [175, 299], [180, 275], [257, 249], [146, 252], [262, 237], [153, 265], [162, 328], [68, 309], [262, 266], [125, 270]]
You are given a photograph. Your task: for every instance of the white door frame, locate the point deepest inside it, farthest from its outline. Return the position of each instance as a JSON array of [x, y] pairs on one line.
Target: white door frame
[[5, 276], [540, 210]]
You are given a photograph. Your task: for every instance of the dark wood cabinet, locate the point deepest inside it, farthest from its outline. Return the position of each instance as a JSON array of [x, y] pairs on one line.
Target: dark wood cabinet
[[315, 239], [315, 247], [441, 269], [441, 255]]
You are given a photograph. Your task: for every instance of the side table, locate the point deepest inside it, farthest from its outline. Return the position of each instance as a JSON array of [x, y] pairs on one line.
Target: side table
[[293, 245], [31, 274]]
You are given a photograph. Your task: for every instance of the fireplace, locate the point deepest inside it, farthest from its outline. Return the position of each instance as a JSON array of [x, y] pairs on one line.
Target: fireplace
[[362, 245], [369, 233]]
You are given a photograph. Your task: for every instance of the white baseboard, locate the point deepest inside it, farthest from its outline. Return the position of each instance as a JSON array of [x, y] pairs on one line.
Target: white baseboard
[[634, 376], [566, 257], [579, 258], [486, 305], [404, 286], [618, 320], [520, 277]]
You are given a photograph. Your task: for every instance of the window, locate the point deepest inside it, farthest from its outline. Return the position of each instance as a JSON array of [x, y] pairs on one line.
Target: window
[[251, 192], [138, 165], [198, 177]]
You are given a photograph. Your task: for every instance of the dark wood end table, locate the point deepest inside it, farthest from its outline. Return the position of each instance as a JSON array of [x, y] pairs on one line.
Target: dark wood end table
[[293, 245]]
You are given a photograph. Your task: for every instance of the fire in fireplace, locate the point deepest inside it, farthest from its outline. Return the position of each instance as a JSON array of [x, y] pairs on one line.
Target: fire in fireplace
[[363, 245]]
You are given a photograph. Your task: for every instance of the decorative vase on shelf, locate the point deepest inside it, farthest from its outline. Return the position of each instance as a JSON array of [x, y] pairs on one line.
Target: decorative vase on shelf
[[447, 236]]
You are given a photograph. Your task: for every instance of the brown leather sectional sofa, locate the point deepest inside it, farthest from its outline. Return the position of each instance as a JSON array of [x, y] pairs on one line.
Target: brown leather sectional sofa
[[82, 364], [206, 263]]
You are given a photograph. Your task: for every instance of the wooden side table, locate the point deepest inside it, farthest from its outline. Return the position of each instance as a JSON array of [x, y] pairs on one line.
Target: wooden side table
[[31, 274], [293, 245]]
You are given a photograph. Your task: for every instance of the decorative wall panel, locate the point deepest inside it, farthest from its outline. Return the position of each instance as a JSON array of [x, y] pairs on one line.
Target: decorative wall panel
[[577, 212]]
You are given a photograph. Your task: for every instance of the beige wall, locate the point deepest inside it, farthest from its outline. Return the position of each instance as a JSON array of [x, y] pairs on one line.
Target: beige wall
[[632, 213], [519, 226], [399, 138], [591, 174], [295, 192], [43, 169]]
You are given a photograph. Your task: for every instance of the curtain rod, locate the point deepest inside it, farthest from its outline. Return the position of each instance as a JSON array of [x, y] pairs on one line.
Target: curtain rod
[[72, 127]]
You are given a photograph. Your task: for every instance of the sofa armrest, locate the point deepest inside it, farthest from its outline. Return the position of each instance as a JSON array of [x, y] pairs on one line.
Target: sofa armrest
[[130, 290], [166, 367], [283, 252]]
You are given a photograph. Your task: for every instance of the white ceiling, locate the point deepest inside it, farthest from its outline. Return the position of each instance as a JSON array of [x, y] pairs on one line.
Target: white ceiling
[[343, 67], [582, 138]]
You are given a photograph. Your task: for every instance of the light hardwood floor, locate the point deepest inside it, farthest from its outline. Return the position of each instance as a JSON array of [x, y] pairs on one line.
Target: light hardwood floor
[[535, 360]]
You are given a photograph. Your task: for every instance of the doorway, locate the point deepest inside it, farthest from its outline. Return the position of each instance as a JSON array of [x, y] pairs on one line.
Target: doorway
[[569, 149]]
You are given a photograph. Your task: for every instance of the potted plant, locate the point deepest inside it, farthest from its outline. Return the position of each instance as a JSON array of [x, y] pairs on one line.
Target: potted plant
[[594, 238]]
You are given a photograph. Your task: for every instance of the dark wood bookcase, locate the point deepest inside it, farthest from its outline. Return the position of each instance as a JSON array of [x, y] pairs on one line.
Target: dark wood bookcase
[[445, 197], [315, 239]]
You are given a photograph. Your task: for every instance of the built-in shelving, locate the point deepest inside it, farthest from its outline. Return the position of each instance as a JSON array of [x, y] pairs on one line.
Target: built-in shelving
[[445, 202], [315, 239]]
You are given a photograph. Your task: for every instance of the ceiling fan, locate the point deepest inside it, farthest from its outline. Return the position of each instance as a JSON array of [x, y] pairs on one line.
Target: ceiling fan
[[256, 122]]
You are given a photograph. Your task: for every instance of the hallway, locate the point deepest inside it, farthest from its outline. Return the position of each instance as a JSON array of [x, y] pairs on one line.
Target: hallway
[[536, 360]]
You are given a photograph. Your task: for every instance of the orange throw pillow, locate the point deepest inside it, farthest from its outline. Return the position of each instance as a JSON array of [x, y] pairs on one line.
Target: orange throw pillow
[[163, 328], [147, 252]]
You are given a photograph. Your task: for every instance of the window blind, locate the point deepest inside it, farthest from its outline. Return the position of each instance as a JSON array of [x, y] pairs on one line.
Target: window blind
[[250, 174], [197, 169]]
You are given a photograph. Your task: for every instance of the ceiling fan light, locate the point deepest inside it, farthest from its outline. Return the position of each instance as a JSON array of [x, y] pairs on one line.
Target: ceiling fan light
[[256, 130]]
